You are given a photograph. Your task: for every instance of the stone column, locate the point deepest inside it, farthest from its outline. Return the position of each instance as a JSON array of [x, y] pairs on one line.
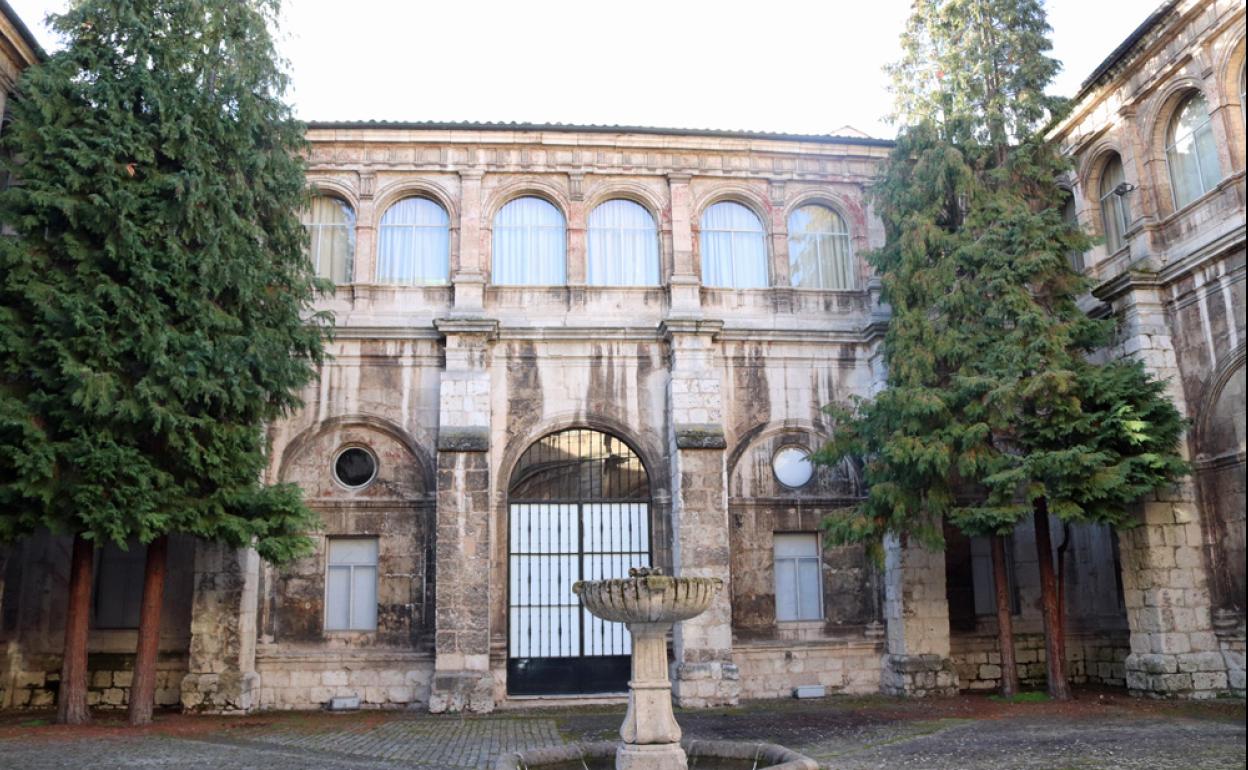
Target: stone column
[[1165, 580], [461, 678], [221, 672], [705, 672], [916, 614]]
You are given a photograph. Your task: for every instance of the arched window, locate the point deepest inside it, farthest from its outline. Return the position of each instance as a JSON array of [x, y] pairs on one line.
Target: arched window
[[1071, 217], [1191, 152], [331, 230], [1115, 211], [529, 244], [819, 253], [734, 248], [414, 243], [623, 245]]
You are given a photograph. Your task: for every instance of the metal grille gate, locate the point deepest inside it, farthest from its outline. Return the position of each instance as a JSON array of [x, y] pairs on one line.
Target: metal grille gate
[[554, 645]]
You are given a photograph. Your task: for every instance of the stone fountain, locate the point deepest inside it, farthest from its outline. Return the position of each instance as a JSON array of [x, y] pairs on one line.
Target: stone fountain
[[649, 602]]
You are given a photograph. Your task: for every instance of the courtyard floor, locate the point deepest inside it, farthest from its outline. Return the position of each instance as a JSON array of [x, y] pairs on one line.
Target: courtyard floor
[[1099, 730]]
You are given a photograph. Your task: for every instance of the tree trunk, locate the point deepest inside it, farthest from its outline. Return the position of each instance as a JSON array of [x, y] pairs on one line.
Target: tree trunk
[[1005, 620], [143, 685], [1054, 638], [1061, 580], [71, 706]]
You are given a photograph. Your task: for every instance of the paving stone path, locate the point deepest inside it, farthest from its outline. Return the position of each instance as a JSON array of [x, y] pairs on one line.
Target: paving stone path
[[843, 734]]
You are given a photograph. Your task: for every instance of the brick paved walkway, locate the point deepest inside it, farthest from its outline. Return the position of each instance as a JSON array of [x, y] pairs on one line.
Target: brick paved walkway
[[416, 742], [968, 733]]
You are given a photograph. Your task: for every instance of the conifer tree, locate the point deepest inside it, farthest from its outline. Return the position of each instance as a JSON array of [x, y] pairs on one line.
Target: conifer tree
[[154, 296], [993, 409]]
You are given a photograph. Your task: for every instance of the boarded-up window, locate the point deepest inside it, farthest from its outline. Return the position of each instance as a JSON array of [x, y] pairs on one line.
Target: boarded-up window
[[119, 586]]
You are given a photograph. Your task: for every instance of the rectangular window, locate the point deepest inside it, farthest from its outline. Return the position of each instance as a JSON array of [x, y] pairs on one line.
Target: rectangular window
[[799, 589], [351, 584], [119, 585]]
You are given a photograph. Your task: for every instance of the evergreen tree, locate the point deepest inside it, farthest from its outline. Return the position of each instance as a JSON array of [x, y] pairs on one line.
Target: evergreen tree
[[154, 298], [993, 409]]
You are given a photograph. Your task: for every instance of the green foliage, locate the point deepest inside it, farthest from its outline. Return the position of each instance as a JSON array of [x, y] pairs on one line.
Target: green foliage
[[155, 300], [992, 399], [977, 67]]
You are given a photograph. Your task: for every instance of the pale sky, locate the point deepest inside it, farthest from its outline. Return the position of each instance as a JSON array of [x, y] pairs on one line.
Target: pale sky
[[791, 66]]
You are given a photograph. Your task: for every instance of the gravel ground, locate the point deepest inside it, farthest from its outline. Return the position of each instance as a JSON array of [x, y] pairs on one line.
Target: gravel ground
[[1097, 732]]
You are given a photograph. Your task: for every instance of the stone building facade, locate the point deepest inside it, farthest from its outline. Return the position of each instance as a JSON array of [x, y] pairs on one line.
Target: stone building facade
[[1157, 133], [562, 351]]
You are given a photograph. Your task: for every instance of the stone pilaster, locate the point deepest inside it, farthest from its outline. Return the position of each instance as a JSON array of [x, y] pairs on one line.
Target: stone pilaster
[[916, 613], [1165, 580], [705, 672], [685, 285], [364, 269], [462, 679], [221, 670], [467, 274]]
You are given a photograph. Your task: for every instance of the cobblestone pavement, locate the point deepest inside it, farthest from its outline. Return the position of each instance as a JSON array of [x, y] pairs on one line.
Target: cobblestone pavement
[[968, 733]]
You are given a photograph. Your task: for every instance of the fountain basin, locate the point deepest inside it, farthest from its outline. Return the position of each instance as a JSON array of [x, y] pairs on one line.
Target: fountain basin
[[703, 755], [648, 598]]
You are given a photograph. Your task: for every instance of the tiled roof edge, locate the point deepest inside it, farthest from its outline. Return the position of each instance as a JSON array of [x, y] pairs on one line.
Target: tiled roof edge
[[1125, 47], [592, 129], [23, 30]]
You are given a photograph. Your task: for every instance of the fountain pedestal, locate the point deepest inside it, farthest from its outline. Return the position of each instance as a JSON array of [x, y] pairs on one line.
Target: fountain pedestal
[[649, 603], [651, 735]]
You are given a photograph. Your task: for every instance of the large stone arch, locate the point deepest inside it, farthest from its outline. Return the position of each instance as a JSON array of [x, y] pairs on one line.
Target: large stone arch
[[1219, 451], [760, 507], [405, 470], [552, 523]]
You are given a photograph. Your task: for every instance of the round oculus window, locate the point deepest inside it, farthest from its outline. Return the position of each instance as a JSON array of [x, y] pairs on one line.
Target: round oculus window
[[355, 467], [792, 466]]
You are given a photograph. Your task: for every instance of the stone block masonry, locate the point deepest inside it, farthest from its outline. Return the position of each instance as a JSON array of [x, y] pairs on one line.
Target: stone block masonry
[[1174, 650], [916, 614]]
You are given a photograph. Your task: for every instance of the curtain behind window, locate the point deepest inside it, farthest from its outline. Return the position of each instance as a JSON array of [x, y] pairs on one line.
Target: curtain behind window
[[530, 245], [414, 243], [1192, 152], [331, 230], [623, 245], [819, 252], [734, 248]]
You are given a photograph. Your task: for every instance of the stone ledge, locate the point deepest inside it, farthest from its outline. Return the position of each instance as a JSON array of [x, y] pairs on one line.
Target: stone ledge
[[473, 439], [700, 436]]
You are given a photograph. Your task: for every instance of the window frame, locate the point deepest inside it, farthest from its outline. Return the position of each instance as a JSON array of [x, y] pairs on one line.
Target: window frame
[[846, 234], [734, 234], [445, 229], [1172, 139], [314, 229], [652, 231], [562, 227], [797, 583], [351, 567], [1114, 207]]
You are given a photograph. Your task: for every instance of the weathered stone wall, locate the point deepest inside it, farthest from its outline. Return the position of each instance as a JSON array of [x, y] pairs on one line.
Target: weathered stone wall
[[775, 669], [381, 679], [1097, 658]]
